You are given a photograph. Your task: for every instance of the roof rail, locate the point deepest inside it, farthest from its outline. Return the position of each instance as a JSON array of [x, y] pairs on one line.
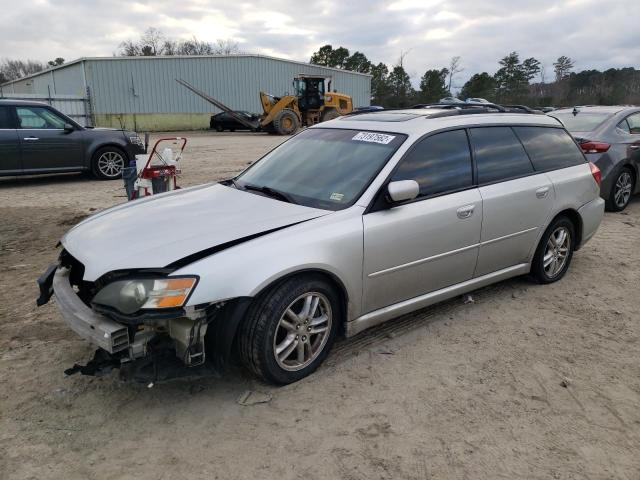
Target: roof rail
[[473, 107], [461, 106]]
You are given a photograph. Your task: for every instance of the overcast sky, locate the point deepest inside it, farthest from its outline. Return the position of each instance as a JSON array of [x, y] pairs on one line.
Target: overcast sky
[[595, 33]]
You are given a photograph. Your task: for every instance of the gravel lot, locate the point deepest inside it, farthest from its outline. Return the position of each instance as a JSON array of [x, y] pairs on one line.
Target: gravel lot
[[529, 381]]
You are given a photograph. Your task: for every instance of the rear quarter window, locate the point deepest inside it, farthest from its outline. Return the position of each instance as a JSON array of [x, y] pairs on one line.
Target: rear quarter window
[[549, 148]]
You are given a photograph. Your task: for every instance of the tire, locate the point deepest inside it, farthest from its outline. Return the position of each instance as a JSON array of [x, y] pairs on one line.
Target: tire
[[270, 338], [286, 122], [107, 163], [219, 128], [329, 115], [548, 246], [622, 189]]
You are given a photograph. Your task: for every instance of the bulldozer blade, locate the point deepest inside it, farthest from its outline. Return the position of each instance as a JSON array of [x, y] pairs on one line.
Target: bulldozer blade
[[218, 104]]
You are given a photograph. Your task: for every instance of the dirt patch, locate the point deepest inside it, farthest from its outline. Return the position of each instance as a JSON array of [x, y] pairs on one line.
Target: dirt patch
[[526, 381]]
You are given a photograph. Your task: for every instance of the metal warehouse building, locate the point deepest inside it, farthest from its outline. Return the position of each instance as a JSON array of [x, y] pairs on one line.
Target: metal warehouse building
[[141, 92]]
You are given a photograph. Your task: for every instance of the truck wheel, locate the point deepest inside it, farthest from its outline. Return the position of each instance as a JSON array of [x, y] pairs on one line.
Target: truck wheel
[[329, 115], [286, 122], [108, 162], [289, 330]]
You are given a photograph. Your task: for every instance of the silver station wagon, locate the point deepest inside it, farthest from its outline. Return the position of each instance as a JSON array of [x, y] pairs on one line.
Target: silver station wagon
[[348, 224]]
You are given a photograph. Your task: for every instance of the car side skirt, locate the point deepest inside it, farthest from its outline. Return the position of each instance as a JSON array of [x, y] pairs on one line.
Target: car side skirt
[[397, 309]]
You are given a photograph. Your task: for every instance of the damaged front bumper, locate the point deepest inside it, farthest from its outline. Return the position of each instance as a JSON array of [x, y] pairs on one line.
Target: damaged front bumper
[[159, 347]]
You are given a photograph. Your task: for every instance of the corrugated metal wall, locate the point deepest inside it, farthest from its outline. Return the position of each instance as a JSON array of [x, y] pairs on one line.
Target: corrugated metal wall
[[147, 85], [67, 80]]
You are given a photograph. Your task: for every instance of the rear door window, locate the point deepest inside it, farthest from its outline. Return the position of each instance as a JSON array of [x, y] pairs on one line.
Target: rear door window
[[440, 163], [549, 148], [6, 121], [499, 154]]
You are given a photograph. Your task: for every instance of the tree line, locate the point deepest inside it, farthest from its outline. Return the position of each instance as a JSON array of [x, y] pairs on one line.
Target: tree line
[[512, 83], [151, 43], [515, 81]]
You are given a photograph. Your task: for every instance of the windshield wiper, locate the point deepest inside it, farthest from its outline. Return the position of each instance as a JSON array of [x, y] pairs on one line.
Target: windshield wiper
[[271, 192]]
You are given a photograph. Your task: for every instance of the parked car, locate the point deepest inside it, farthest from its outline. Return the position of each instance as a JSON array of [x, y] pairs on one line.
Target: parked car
[[453, 100], [610, 138], [369, 108], [348, 224], [476, 100], [223, 121], [36, 138]]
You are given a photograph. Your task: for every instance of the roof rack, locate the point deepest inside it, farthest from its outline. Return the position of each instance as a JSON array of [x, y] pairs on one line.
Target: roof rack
[[460, 106], [473, 107]]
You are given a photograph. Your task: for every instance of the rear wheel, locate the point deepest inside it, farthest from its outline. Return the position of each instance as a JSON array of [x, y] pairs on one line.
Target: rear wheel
[[554, 253], [286, 122], [108, 163], [621, 191], [290, 330]]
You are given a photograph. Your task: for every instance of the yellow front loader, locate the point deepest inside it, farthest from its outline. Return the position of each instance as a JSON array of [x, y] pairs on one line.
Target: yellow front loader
[[311, 104]]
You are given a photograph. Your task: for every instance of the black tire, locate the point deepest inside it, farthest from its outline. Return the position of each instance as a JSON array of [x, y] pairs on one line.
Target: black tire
[[286, 122], [219, 128], [619, 199], [258, 333], [544, 274], [107, 163], [329, 115]]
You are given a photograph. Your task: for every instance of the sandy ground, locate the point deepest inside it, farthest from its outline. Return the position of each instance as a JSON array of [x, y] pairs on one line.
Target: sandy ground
[[527, 382]]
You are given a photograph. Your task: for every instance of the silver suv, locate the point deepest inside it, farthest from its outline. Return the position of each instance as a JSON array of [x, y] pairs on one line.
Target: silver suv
[[345, 226]]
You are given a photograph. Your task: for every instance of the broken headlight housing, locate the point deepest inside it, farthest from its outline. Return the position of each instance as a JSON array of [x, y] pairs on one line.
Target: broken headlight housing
[[129, 296]]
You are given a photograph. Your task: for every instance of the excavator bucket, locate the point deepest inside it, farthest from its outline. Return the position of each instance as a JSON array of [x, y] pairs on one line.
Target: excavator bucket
[[220, 105]]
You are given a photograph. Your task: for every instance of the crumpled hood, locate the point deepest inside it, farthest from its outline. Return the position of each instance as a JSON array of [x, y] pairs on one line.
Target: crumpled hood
[[157, 231]]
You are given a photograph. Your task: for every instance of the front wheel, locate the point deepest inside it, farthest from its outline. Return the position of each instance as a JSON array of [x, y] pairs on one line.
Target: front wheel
[[621, 191], [108, 163], [554, 253], [290, 330]]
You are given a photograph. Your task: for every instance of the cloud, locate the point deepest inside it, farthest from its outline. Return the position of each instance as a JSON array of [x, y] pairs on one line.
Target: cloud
[[595, 34]]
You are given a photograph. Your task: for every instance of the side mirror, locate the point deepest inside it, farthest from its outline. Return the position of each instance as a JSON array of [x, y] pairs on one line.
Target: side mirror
[[403, 190], [68, 128]]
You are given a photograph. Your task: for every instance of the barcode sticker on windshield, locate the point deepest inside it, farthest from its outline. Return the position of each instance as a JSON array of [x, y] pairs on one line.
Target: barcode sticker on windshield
[[373, 137]]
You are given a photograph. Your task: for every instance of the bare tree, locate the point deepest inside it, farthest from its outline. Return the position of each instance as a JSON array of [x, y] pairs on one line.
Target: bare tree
[[14, 69], [226, 47], [153, 43], [562, 67], [454, 67]]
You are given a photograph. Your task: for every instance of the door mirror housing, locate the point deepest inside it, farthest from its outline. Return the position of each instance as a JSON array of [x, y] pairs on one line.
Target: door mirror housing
[[69, 128], [403, 190]]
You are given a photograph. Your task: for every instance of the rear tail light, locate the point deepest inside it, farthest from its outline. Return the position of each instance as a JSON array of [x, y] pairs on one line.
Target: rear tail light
[[595, 171], [594, 147]]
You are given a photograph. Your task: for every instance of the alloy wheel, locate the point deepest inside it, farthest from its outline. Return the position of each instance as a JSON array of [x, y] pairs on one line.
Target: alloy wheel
[[556, 251], [303, 331], [622, 191], [111, 164]]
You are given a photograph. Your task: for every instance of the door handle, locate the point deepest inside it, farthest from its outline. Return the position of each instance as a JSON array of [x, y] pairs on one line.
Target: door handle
[[466, 211], [634, 147], [542, 192], [31, 139]]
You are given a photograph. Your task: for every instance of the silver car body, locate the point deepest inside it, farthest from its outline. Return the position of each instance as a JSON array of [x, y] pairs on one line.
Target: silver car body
[[386, 263]]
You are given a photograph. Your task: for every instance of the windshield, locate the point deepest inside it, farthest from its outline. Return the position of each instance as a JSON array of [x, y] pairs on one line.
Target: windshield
[[323, 168], [582, 122]]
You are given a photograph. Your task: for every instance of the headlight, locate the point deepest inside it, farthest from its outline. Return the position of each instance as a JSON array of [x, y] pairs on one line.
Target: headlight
[[136, 140], [129, 296]]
